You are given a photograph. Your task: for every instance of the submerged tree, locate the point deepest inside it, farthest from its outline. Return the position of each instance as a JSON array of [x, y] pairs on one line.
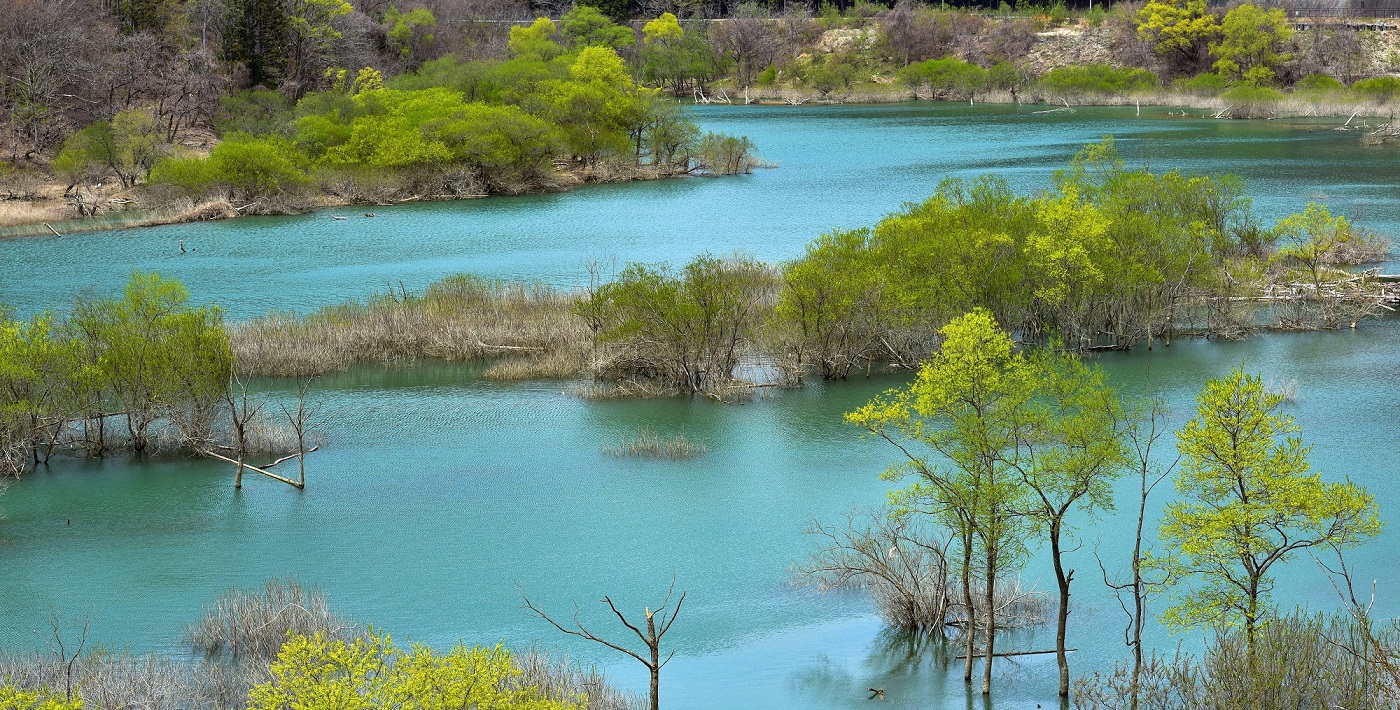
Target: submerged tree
[[1072, 449], [1249, 502], [657, 623], [964, 409]]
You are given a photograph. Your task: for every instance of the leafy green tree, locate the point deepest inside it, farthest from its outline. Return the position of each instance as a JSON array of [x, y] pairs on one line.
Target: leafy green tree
[[948, 78], [586, 26], [684, 330], [1251, 44], [370, 673], [1072, 436], [957, 427], [250, 167], [1063, 255], [155, 356], [313, 37], [41, 380], [1182, 29], [1249, 501], [594, 107], [128, 146], [675, 58], [410, 33], [831, 296]]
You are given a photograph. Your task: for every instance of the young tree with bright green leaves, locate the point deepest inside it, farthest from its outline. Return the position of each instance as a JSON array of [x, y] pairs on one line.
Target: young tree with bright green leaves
[[1250, 501], [370, 673], [1072, 441], [957, 428], [595, 107], [410, 33], [831, 298], [1251, 43], [128, 146], [673, 57], [313, 36], [1063, 256], [42, 381], [683, 329]]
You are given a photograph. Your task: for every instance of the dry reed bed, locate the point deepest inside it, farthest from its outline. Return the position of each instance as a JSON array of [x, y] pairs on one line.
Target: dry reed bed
[[648, 444], [531, 328]]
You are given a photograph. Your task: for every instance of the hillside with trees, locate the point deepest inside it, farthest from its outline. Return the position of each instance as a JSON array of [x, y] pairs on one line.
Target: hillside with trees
[[199, 109]]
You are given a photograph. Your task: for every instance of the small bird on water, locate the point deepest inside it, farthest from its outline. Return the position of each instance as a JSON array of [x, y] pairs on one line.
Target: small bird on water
[[182, 246], [876, 693]]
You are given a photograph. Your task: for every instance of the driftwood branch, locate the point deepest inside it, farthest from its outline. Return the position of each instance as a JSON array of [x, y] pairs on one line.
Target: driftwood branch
[[253, 468]]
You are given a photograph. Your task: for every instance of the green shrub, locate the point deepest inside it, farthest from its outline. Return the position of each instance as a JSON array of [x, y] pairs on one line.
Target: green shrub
[[1005, 75], [1100, 79], [1318, 84], [1246, 95], [947, 78], [1202, 85], [768, 76], [189, 176], [1379, 89], [1096, 16], [250, 166]]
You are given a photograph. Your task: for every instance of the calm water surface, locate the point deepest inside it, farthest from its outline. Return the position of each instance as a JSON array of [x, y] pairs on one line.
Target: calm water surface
[[440, 496]]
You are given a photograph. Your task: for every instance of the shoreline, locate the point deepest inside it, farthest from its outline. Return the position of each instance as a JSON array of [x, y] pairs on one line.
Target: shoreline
[[48, 219], [188, 211]]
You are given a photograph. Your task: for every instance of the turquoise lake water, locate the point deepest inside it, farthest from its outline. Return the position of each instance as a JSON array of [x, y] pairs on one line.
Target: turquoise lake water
[[440, 496]]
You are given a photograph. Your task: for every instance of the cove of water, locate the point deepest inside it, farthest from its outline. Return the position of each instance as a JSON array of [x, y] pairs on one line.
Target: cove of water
[[440, 496]]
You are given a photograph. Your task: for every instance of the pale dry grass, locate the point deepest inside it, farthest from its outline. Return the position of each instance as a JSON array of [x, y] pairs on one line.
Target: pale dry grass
[[21, 213], [459, 318]]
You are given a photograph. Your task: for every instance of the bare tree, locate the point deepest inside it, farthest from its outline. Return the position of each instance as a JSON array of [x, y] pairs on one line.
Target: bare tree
[[302, 421], [657, 624], [1143, 432], [241, 413], [897, 559]]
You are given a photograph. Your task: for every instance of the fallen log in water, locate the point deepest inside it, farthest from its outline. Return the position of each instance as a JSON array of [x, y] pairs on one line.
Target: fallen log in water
[[1004, 654]]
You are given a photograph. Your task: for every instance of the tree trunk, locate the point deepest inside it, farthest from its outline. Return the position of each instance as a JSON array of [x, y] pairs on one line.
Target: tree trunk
[[970, 628], [654, 645], [1063, 580], [991, 618]]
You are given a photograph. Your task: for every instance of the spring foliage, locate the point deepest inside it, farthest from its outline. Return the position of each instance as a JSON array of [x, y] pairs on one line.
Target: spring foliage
[[1250, 501], [373, 672]]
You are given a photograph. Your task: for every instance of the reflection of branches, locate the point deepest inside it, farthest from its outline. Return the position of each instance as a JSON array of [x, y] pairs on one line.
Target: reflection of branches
[[657, 624]]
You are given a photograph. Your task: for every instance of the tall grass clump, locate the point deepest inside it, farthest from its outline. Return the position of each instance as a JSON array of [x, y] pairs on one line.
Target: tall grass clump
[[252, 624], [646, 443], [461, 317]]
